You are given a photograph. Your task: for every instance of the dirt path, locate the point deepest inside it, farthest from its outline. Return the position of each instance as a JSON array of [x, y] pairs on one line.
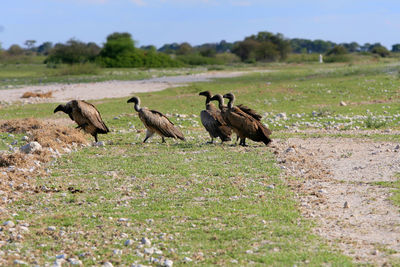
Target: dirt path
[[109, 89], [338, 189]]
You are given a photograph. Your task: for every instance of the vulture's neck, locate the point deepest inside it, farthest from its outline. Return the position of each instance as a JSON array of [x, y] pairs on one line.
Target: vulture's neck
[[137, 107], [230, 103]]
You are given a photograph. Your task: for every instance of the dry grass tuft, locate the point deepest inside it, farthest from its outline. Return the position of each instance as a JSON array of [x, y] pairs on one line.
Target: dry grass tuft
[[17, 169], [48, 94]]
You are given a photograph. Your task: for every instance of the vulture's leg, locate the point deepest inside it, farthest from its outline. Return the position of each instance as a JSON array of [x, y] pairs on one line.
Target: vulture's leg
[[163, 140], [148, 135], [243, 142], [82, 126], [212, 141], [95, 137]]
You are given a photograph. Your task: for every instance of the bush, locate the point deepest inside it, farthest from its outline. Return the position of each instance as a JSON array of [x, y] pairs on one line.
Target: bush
[[337, 50], [337, 58], [73, 52], [197, 60], [120, 52], [380, 50]]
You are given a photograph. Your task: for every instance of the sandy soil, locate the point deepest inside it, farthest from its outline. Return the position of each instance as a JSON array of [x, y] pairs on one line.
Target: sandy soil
[[338, 190], [109, 89]]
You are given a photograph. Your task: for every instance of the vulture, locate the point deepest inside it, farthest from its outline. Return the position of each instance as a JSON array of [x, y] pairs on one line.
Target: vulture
[[213, 122], [156, 122], [85, 115], [246, 125]]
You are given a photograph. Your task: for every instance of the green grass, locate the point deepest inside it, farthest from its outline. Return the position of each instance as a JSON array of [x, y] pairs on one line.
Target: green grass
[[207, 202], [395, 189]]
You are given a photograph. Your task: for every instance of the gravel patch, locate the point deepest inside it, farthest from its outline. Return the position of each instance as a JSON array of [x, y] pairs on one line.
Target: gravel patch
[[337, 188], [109, 89]]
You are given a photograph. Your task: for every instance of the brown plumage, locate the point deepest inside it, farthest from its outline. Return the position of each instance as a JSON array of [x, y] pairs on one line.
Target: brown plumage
[[213, 122], [85, 115], [156, 122], [244, 124]]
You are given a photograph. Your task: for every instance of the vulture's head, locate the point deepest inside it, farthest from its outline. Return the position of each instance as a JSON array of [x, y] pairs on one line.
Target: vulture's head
[[229, 96], [134, 100], [63, 108], [218, 98], [206, 94]]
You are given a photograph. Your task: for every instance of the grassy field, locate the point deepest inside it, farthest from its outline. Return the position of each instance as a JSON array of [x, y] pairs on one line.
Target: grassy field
[[197, 203]]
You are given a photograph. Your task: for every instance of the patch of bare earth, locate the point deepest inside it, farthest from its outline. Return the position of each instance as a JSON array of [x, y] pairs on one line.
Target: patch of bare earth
[[336, 185], [18, 168]]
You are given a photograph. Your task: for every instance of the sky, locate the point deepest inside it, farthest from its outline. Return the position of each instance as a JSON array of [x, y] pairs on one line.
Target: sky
[[158, 22]]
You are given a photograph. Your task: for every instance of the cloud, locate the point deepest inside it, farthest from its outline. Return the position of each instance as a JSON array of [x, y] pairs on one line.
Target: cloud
[[138, 2]]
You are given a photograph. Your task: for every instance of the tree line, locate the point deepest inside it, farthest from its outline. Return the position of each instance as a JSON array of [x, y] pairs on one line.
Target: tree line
[[120, 50]]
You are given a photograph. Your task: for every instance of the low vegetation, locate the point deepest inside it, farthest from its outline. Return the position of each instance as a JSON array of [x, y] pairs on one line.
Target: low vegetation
[[196, 203]]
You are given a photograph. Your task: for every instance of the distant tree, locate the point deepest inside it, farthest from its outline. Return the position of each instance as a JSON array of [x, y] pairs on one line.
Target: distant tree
[[351, 47], [208, 51], [396, 48], [15, 50], [73, 51], [380, 50], [118, 44], [223, 47], [119, 51], [264, 46], [337, 50], [44, 48], [149, 48], [169, 48], [367, 47], [30, 44], [184, 49], [246, 49]]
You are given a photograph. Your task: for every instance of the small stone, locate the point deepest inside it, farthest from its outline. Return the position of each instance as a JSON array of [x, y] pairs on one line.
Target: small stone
[[187, 259], [123, 219], [149, 251], [74, 261], [271, 186], [31, 147], [99, 144], [24, 229], [234, 261], [117, 252], [9, 224], [51, 228], [25, 138], [107, 264], [168, 263], [290, 150], [129, 242], [62, 256], [19, 262], [375, 252], [343, 104], [146, 241], [346, 205]]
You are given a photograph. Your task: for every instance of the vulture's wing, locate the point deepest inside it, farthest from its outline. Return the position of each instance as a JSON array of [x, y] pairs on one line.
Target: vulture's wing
[[250, 111], [159, 121], [93, 115], [209, 121]]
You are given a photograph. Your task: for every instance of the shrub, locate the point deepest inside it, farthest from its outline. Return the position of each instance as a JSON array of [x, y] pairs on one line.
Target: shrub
[[337, 50], [380, 50], [196, 59], [73, 52]]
